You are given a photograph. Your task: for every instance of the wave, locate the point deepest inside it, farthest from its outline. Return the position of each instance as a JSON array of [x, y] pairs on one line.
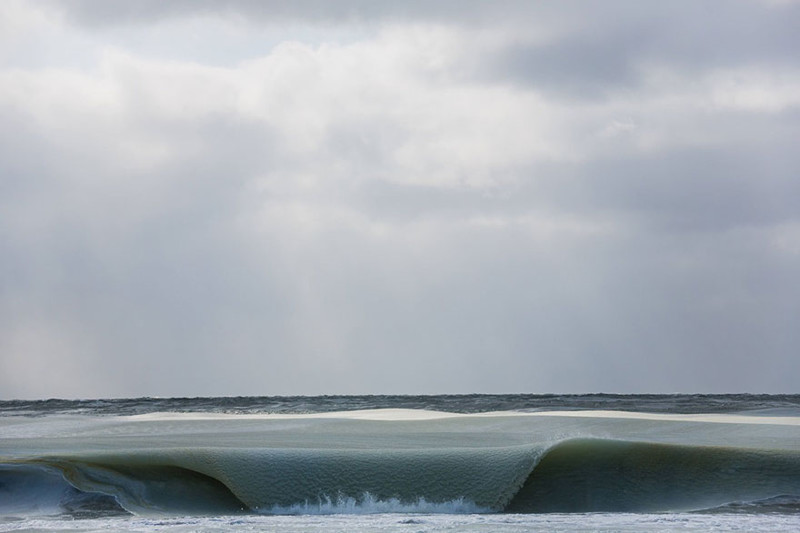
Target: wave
[[783, 504], [577, 475], [592, 475], [30, 489], [218, 481]]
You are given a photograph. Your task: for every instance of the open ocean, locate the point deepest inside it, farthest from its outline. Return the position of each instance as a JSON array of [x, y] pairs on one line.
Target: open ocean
[[478, 463]]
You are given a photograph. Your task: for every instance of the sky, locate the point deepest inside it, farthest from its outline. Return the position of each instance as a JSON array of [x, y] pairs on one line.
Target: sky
[[208, 198]]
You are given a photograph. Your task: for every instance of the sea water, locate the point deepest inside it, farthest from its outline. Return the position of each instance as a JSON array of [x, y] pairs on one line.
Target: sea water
[[431, 463]]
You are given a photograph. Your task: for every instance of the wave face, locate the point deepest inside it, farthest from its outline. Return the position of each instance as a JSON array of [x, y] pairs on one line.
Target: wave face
[[572, 476], [214, 481], [404, 463], [615, 476]]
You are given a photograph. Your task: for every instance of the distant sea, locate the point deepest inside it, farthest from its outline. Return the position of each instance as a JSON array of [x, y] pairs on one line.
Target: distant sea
[[479, 463]]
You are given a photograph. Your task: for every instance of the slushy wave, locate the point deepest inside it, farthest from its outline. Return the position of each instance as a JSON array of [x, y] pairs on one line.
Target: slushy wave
[[600, 475], [575, 475], [215, 481]]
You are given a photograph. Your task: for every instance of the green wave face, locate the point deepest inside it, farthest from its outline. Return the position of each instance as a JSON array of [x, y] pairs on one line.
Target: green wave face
[[573, 476], [151, 488], [520, 464], [615, 476], [224, 481]]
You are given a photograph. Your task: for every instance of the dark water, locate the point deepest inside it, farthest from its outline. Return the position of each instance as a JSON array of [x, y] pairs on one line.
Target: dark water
[[462, 403]]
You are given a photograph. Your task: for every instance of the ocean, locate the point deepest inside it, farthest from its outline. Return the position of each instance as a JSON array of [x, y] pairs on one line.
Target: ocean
[[478, 463]]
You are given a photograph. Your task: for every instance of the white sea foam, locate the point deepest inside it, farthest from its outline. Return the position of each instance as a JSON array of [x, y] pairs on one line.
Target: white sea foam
[[368, 504], [393, 523], [364, 414], [421, 414]]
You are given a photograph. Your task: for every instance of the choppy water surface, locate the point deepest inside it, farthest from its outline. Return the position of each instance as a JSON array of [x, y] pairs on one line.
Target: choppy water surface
[[464, 403], [393, 523]]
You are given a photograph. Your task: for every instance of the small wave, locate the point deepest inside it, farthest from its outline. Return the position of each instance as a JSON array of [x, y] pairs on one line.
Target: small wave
[[783, 504]]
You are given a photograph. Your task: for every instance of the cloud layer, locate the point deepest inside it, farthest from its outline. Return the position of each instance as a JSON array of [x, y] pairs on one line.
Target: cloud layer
[[230, 198]]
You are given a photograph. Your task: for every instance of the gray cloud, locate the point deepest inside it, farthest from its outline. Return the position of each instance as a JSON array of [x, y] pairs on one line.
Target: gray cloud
[[606, 50], [468, 197], [97, 13]]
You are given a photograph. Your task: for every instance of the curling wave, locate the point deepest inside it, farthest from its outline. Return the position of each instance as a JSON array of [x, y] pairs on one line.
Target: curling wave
[[574, 475], [586, 475], [32, 489]]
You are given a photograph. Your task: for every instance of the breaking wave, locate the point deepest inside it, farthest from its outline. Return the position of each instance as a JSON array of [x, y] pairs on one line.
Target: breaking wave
[[587, 475], [577, 475]]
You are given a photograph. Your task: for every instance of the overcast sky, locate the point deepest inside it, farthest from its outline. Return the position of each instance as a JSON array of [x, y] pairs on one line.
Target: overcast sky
[[311, 197]]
